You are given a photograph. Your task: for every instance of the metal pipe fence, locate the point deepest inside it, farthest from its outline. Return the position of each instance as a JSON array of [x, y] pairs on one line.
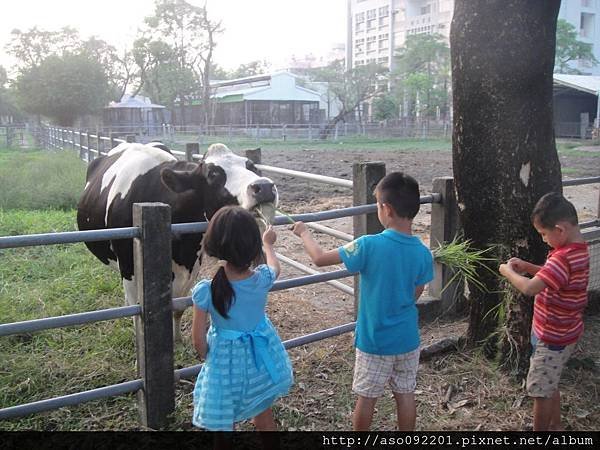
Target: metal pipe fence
[[441, 199]]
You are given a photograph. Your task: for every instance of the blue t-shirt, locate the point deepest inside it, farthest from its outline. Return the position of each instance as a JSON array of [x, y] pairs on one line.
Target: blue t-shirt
[[391, 265], [248, 307]]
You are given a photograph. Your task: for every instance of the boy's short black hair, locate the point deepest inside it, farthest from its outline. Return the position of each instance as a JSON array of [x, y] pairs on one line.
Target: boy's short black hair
[[401, 192], [553, 208]]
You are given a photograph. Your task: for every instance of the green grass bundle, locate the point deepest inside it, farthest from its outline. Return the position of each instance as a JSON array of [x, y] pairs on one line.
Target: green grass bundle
[[464, 261]]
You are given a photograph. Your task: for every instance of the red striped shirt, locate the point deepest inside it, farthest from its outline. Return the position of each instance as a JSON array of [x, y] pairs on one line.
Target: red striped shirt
[[558, 309]]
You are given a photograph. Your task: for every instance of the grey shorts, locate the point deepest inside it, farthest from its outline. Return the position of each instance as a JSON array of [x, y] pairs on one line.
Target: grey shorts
[[372, 373], [545, 368]]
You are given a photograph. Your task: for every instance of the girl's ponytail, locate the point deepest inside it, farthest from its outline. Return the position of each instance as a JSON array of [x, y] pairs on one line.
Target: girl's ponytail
[[222, 292]]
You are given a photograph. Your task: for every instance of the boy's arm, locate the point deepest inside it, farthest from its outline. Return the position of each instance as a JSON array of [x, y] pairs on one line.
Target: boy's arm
[[518, 265], [314, 250], [528, 286], [199, 323], [418, 291]]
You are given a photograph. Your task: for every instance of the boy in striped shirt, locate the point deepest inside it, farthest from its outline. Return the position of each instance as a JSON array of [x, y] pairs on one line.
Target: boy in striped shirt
[[560, 289]]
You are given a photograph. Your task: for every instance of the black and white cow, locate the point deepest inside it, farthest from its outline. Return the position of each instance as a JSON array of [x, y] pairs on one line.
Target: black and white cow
[[135, 173]]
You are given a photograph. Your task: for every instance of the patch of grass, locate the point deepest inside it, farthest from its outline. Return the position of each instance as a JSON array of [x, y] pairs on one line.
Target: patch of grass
[[46, 281], [34, 179], [568, 171]]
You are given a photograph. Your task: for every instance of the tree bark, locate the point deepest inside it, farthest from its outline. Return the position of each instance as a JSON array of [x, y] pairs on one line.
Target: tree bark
[[503, 148]]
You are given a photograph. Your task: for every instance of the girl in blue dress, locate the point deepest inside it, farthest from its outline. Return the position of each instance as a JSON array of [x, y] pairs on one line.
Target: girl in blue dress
[[246, 367]]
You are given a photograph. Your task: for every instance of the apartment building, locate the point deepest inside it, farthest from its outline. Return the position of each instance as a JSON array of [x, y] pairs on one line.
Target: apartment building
[[584, 15], [375, 28]]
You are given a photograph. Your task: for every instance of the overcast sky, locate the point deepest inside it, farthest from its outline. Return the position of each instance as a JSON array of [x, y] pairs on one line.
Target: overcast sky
[[254, 29]]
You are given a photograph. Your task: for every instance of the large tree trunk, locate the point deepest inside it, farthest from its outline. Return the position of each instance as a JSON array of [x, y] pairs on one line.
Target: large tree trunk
[[503, 147]]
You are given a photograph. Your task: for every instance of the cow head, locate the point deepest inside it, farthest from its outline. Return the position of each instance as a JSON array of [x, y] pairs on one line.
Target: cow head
[[225, 178]]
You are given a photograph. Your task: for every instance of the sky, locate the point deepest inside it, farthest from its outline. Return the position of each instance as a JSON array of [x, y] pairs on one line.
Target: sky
[[254, 29]]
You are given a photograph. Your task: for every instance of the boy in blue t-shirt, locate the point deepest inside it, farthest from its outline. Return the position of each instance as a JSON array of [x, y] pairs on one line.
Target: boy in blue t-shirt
[[394, 267]]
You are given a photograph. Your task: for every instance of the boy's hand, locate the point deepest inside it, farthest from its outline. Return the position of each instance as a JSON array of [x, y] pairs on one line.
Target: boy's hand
[[269, 236], [517, 264], [505, 269], [299, 228]]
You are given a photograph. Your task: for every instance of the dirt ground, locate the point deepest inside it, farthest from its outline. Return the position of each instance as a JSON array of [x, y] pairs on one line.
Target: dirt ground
[[460, 391]]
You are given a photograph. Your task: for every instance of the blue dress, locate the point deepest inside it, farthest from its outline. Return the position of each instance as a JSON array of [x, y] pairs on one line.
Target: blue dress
[[246, 368]]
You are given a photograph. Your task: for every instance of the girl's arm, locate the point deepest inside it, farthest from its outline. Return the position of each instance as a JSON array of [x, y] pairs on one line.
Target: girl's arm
[[199, 325], [314, 250], [269, 238]]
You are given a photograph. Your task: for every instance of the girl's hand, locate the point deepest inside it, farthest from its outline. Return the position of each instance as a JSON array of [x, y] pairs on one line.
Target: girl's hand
[[299, 228], [269, 236]]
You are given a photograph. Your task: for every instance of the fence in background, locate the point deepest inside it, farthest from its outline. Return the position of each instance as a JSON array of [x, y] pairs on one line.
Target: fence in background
[[155, 387]]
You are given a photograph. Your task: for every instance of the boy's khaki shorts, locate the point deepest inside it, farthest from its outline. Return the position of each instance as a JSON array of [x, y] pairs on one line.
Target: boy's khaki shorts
[[545, 368], [373, 372]]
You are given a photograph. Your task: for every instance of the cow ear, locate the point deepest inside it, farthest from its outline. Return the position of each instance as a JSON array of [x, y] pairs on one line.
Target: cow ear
[[176, 180]]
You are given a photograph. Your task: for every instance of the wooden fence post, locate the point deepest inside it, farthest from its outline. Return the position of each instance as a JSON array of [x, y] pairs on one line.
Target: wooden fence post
[[365, 176], [154, 327], [444, 227], [255, 155], [191, 149]]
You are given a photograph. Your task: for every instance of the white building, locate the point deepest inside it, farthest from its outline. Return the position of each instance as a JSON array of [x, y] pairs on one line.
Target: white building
[[583, 14], [375, 28]]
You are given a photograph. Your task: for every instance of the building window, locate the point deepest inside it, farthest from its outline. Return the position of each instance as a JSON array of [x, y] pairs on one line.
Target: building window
[[384, 41], [360, 17], [371, 43], [371, 14], [359, 46], [425, 10], [586, 25], [383, 21], [384, 11]]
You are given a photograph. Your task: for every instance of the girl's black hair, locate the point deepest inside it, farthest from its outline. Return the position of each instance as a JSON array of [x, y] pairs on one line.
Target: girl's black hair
[[233, 236]]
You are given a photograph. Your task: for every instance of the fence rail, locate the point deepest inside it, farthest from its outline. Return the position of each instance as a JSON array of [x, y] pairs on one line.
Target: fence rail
[[156, 385]]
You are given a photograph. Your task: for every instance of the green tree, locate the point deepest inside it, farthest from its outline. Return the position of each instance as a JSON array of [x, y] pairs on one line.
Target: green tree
[[350, 88], [504, 153], [7, 102], [31, 47], [187, 30], [120, 67], [421, 77], [250, 69], [63, 88], [569, 49], [385, 107]]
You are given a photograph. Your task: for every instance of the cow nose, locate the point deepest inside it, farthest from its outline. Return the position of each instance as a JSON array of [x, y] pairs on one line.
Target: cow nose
[[262, 191]]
